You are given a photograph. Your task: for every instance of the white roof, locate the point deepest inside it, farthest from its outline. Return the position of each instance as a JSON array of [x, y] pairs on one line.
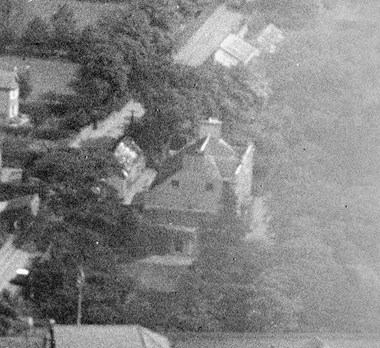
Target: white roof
[[239, 48]]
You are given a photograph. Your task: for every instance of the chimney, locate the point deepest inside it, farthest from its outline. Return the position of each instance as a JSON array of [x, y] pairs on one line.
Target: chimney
[[212, 127]]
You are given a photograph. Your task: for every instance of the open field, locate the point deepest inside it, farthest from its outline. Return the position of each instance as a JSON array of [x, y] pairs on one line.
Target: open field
[[46, 74]]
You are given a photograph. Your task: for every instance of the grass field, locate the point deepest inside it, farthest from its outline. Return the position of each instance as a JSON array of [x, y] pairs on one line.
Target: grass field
[[46, 74]]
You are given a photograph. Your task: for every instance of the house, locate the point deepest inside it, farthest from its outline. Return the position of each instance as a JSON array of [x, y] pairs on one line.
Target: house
[[189, 189], [193, 180], [9, 95]]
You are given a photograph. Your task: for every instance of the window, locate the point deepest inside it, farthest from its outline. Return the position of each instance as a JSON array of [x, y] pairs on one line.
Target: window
[[175, 183], [209, 186]]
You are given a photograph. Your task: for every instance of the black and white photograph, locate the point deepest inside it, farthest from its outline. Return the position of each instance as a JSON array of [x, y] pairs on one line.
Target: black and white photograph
[[189, 174]]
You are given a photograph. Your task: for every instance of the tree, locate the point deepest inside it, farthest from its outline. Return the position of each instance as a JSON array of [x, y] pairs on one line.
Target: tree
[[8, 313], [79, 225], [65, 32], [10, 11], [24, 81], [36, 33]]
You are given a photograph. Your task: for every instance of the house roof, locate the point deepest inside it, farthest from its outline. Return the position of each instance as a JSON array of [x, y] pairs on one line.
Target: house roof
[[225, 157], [8, 80], [174, 163], [239, 48]]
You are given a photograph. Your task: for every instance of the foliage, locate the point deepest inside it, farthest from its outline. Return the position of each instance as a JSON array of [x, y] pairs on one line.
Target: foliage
[[9, 322], [24, 81], [65, 31], [81, 222], [36, 33], [6, 37]]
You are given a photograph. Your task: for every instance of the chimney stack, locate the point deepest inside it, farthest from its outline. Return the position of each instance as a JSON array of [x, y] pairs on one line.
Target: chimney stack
[[212, 127]]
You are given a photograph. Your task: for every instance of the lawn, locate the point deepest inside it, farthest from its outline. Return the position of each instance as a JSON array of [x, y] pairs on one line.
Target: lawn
[[46, 74]]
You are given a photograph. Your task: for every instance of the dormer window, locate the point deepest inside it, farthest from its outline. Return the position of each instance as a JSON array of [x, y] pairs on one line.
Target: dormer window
[[175, 183], [209, 186]]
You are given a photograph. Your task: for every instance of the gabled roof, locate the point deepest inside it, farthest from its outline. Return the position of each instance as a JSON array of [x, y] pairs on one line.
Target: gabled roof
[[8, 80], [227, 167], [218, 148], [174, 163], [219, 152]]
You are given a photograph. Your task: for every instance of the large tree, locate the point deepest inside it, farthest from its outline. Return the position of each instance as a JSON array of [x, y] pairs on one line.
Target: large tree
[[80, 226]]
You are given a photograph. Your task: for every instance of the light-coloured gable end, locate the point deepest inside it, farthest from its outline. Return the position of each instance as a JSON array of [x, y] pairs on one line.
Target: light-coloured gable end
[[244, 176], [218, 148]]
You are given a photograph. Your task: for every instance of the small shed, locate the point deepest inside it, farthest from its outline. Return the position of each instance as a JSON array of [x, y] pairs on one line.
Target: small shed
[[116, 336], [9, 95]]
